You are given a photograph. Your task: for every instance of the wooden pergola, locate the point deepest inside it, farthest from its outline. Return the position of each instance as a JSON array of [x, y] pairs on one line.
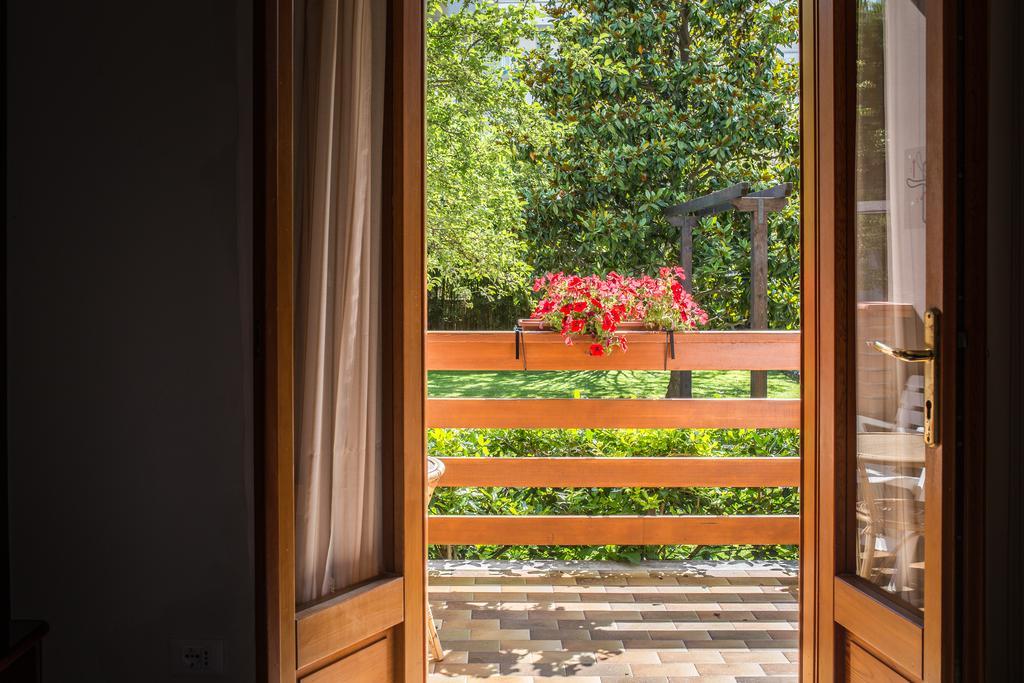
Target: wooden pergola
[[758, 204]]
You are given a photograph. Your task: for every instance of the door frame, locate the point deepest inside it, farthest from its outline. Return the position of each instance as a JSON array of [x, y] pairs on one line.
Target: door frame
[[387, 604], [824, 106], [828, 52]]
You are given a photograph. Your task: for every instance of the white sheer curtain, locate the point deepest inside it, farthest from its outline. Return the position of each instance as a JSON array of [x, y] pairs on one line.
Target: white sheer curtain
[[339, 513]]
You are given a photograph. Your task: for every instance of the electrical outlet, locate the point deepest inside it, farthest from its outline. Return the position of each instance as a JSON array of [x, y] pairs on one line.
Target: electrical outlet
[[197, 657]]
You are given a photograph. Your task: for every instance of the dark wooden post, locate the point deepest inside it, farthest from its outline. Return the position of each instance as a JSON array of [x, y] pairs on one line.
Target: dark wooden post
[[680, 383], [759, 288]]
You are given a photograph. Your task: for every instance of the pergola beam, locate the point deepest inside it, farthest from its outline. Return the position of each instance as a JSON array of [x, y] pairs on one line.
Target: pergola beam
[[709, 202]]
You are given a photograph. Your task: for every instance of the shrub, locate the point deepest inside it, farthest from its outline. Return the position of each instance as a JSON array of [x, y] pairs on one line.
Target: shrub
[[521, 443]]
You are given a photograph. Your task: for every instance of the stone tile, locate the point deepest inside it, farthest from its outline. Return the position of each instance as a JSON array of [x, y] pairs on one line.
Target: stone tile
[[531, 622], [730, 669], [558, 634], [757, 657], [694, 657], [497, 634], [530, 645], [671, 669], [657, 645], [471, 645], [454, 633], [600, 669], [453, 669], [592, 645]]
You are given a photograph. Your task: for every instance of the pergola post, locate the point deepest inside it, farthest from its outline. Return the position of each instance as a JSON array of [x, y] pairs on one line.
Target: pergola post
[[680, 383], [759, 288]]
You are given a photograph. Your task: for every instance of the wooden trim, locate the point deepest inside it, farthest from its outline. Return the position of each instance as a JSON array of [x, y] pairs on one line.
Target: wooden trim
[[616, 530], [404, 325], [739, 350], [973, 395], [331, 626], [943, 90], [553, 413], [823, 104], [371, 664], [274, 373], [892, 635], [618, 472]]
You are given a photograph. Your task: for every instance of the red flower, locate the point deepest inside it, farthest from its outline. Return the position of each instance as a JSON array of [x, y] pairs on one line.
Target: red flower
[[577, 325], [579, 306], [607, 323], [677, 292], [596, 350]]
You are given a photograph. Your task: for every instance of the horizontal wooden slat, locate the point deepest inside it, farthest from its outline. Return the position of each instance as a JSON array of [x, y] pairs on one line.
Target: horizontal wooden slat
[[617, 530], [739, 350], [337, 623], [587, 472], [555, 413]]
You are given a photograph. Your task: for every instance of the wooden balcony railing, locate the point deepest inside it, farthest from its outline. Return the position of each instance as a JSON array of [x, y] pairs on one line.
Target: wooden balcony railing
[[488, 351]]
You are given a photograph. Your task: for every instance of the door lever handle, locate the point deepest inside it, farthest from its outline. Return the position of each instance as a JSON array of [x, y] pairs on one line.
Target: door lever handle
[[905, 355], [928, 355]]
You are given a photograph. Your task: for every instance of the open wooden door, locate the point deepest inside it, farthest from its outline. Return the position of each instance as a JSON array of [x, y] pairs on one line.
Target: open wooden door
[[373, 632], [880, 356]]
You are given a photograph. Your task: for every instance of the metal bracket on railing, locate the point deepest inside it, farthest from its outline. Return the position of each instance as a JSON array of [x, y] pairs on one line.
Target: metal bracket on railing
[[671, 343], [520, 341]]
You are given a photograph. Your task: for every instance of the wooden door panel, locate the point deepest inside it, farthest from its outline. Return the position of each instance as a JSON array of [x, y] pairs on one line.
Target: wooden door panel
[[881, 72], [335, 625], [862, 667], [373, 633], [371, 664]]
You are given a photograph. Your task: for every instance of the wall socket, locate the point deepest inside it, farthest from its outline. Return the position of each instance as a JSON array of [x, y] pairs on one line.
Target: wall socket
[[197, 657]]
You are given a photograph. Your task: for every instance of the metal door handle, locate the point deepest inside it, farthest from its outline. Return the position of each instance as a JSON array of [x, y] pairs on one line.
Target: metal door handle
[[928, 355], [905, 355]]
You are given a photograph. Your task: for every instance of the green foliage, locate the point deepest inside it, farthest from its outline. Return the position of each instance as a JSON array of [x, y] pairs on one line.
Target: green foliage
[[600, 384], [614, 501], [662, 101], [475, 218]]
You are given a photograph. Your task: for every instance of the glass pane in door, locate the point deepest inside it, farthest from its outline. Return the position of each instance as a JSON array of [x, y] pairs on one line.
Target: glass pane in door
[[890, 288]]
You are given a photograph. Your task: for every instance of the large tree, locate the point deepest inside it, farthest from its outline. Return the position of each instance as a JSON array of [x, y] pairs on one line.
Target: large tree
[[475, 211], [663, 101]]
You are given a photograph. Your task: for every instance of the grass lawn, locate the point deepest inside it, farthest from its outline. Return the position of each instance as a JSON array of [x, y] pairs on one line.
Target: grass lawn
[[599, 384]]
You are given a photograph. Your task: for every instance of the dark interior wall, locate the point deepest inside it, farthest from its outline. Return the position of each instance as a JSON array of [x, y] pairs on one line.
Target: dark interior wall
[[129, 355]]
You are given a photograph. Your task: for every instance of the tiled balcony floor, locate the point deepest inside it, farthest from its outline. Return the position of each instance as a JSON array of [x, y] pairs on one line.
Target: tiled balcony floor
[[658, 622]]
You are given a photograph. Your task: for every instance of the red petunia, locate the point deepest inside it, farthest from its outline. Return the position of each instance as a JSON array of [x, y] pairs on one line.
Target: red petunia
[[596, 350], [579, 306]]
